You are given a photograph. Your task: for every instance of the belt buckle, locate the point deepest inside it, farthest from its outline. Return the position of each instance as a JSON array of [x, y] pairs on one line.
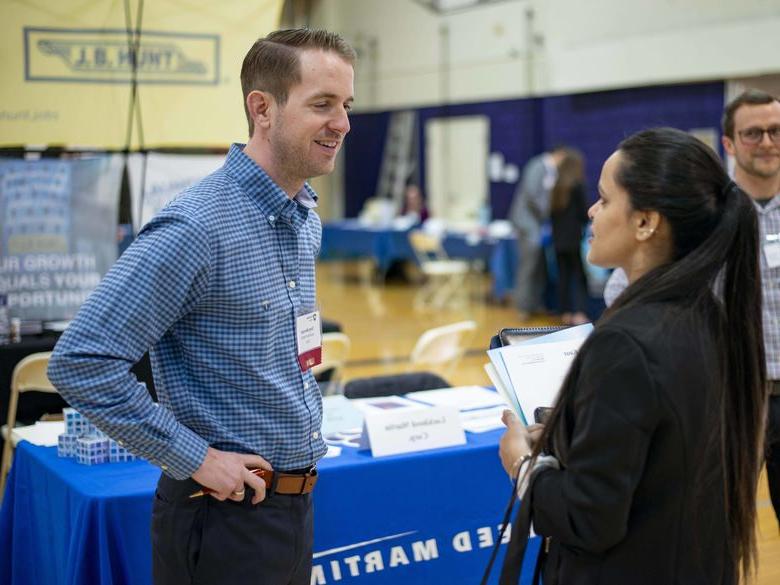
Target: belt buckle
[[309, 475], [304, 477]]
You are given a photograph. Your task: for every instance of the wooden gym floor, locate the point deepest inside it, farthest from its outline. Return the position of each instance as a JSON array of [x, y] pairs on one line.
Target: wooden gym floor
[[383, 327]]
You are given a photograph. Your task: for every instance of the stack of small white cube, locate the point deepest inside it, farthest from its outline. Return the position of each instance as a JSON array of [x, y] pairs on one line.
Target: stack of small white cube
[[86, 443]]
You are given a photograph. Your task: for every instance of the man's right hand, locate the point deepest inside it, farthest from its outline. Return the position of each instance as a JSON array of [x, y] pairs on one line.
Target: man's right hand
[[227, 473]]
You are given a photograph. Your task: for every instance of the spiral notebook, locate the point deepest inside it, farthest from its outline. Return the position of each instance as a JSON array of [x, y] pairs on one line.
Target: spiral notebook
[[514, 335]]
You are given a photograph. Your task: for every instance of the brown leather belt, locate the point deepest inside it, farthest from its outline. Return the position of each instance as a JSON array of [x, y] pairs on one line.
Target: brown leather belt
[[289, 484], [277, 482]]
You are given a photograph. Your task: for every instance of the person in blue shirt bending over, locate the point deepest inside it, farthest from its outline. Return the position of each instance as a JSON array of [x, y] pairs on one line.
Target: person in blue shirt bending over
[[219, 287]]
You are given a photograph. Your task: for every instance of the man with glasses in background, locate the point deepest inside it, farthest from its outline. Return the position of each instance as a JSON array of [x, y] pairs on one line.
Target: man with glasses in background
[[751, 134]]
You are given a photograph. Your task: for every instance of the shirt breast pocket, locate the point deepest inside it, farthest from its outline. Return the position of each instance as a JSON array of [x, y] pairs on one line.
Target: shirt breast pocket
[[248, 287]]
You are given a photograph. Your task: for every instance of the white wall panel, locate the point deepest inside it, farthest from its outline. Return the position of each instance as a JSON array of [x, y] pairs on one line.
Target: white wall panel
[[410, 56]]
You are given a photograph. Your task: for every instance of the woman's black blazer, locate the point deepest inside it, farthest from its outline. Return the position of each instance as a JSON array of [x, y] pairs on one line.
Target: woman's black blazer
[[640, 499]]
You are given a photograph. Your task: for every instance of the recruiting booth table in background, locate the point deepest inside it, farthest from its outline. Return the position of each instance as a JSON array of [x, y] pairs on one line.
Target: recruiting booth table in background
[[422, 518], [350, 238]]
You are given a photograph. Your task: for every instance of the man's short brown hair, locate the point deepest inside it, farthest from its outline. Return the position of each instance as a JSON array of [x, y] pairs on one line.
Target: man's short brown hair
[[750, 97], [273, 63]]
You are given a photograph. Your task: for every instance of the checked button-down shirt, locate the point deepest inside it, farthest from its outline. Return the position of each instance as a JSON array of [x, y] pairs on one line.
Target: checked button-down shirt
[[769, 224], [211, 287]]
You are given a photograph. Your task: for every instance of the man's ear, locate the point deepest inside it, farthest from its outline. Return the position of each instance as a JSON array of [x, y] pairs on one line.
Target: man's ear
[[647, 223], [728, 145], [260, 105]]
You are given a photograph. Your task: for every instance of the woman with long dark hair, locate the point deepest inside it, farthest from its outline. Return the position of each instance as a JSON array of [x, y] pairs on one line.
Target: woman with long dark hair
[[646, 470]]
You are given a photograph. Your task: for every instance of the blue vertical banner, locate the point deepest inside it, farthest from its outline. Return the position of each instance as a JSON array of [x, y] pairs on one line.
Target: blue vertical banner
[[58, 229]]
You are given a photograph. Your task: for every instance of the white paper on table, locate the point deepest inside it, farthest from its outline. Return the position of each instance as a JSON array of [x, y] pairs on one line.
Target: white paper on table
[[536, 371], [43, 433], [339, 414], [333, 451], [387, 403], [462, 397], [482, 420], [347, 438]]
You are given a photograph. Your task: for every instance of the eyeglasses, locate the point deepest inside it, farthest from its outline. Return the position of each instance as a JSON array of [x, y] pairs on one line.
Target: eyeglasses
[[755, 135]]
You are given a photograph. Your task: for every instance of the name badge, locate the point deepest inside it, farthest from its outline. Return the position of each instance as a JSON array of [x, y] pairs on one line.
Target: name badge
[[308, 336], [772, 254]]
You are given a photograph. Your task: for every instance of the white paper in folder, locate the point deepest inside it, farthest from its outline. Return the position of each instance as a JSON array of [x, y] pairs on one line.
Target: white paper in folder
[[536, 371]]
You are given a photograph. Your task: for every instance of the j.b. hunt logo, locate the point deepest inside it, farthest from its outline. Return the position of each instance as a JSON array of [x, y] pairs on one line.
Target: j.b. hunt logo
[[376, 554], [104, 56]]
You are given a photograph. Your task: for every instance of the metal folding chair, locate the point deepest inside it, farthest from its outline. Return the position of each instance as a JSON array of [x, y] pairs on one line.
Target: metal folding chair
[[441, 348], [445, 278], [29, 374], [335, 352]]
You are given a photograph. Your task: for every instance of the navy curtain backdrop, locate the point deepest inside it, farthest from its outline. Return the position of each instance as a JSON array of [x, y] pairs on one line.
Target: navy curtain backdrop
[[593, 122]]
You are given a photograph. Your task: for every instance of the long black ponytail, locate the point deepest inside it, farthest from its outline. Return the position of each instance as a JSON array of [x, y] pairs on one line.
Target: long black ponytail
[[716, 248]]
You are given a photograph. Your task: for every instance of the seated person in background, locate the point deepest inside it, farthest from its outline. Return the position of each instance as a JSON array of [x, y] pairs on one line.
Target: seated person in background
[[647, 468], [569, 215], [414, 204]]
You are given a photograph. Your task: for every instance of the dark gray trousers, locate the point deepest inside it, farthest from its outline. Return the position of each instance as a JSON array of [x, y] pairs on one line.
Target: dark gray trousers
[[773, 451], [531, 276], [203, 541]]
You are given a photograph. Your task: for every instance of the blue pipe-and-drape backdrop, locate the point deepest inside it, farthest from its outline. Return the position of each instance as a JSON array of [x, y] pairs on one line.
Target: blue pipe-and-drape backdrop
[[519, 129]]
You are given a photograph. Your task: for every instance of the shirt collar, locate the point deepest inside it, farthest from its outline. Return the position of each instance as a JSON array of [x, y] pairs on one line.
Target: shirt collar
[[306, 197], [774, 203], [270, 197]]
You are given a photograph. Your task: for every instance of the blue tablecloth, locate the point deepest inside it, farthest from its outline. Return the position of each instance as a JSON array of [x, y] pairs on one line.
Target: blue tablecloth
[[350, 239], [423, 518]]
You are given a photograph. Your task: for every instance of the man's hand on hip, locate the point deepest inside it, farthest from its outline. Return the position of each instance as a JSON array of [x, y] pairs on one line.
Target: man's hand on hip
[[227, 473]]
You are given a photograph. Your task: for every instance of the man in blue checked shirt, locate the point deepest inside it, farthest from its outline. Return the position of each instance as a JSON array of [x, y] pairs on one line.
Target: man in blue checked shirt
[[751, 134], [213, 287]]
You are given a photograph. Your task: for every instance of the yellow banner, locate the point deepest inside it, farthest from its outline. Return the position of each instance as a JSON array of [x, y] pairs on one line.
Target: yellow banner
[[67, 68]]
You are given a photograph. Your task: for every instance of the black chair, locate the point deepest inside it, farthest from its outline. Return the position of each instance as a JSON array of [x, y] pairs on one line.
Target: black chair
[[392, 385], [330, 326]]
